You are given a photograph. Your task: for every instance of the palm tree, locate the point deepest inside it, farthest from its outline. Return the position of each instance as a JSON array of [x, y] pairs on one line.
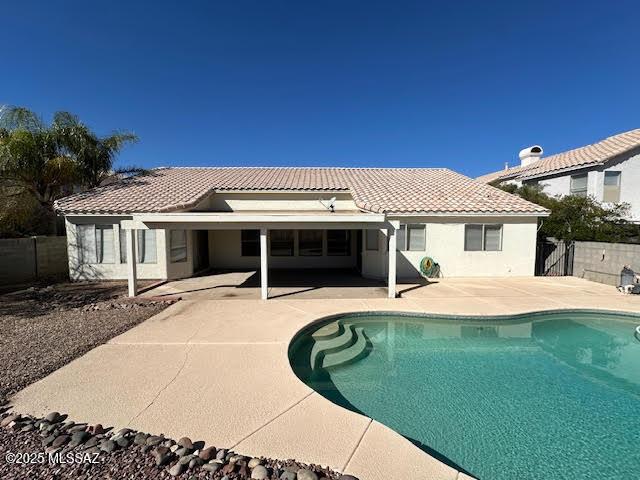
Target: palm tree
[[47, 161], [95, 156]]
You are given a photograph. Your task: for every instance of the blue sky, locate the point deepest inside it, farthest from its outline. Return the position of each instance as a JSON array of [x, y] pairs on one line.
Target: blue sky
[[459, 84]]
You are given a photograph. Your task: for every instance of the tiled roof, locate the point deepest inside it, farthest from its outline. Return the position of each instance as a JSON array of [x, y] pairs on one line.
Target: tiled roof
[[398, 190], [594, 154]]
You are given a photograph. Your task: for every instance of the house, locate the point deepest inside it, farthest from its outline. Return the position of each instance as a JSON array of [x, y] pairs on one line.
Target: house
[[608, 170], [380, 221]]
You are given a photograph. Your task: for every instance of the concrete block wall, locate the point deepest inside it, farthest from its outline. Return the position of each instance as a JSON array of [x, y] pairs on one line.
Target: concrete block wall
[[602, 262], [24, 260]]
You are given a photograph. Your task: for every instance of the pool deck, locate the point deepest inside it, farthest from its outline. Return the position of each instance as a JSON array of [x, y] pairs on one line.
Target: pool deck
[[217, 370]]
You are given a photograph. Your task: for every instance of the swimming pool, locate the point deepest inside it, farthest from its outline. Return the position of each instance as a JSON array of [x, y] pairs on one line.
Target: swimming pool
[[551, 395]]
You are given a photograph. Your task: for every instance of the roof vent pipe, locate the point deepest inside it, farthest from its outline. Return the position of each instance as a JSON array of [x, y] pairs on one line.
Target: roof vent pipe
[[530, 154]]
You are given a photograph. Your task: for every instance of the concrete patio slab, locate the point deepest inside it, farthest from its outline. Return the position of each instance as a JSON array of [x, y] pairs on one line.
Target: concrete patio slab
[[216, 369], [317, 442], [110, 385], [216, 398], [381, 454]]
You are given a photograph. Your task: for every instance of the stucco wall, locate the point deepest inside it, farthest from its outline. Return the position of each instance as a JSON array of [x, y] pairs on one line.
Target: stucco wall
[[445, 244], [225, 252]]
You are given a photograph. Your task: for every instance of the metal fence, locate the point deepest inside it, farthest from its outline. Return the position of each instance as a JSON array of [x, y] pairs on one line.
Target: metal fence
[[554, 258]]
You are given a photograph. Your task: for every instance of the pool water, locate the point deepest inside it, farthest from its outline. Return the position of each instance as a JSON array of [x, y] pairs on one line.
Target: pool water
[[543, 396]]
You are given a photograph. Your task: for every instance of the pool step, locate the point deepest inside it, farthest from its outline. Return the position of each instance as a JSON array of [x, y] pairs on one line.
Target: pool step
[[350, 346], [359, 350], [329, 340], [328, 331]]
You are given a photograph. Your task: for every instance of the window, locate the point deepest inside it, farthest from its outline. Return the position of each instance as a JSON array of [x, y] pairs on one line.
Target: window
[[416, 238], [250, 243], [371, 240], [339, 243], [96, 243], [310, 243], [611, 189], [412, 238], [486, 238], [146, 243], [282, 243], [579, 185], [178, 246]]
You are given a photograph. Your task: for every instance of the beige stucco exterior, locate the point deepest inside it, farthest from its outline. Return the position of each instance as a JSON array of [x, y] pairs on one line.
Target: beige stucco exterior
[[445, 237]]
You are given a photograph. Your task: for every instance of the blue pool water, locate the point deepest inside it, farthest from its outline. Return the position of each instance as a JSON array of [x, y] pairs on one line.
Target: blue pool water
[[543, 396]]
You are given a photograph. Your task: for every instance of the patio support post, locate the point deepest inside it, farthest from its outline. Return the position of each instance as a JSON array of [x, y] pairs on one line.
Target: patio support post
[[264, 292], [391, 233], [131, 262]]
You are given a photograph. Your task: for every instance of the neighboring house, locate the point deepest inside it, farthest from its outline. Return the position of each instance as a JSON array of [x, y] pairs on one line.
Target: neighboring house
[[608, 170], [182, 220]]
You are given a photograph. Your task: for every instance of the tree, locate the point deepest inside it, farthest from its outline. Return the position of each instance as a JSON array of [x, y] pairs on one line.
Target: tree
[[95, 156], [48, 161], [579, 218]]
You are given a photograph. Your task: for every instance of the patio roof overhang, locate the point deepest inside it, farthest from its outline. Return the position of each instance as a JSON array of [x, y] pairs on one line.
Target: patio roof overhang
[[247, 220]]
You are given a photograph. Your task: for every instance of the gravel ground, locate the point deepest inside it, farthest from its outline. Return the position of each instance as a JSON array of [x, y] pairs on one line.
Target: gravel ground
[[44, 328]]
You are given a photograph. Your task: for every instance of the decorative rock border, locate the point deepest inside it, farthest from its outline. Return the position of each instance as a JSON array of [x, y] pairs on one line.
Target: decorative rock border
[[183, 458]]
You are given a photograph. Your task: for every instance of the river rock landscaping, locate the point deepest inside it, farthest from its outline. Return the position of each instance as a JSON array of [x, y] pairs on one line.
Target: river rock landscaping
[[56, 447], [45, 327]]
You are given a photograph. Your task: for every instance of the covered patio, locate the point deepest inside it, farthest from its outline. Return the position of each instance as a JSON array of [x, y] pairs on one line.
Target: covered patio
[[340, 282]]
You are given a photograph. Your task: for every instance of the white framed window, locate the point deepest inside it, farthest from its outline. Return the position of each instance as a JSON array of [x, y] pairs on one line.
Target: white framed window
[[412, 237], [611, 187], [178, 246], [483, 237], [578, 185], [372, 240], [310, 243], [96, 244], [281, 243], [146, 243]]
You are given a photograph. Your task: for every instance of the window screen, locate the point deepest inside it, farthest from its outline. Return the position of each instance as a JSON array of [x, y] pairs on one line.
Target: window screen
[[473, 238], [492, 238], [147, 250], [401, 238], [611, 190], [87, 243], [178, 246], [579, 185], [416, 238], [310, 243]]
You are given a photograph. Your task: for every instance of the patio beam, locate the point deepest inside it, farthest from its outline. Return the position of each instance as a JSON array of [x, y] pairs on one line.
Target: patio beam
[[391, 233], [132, 279], [264, 288]]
